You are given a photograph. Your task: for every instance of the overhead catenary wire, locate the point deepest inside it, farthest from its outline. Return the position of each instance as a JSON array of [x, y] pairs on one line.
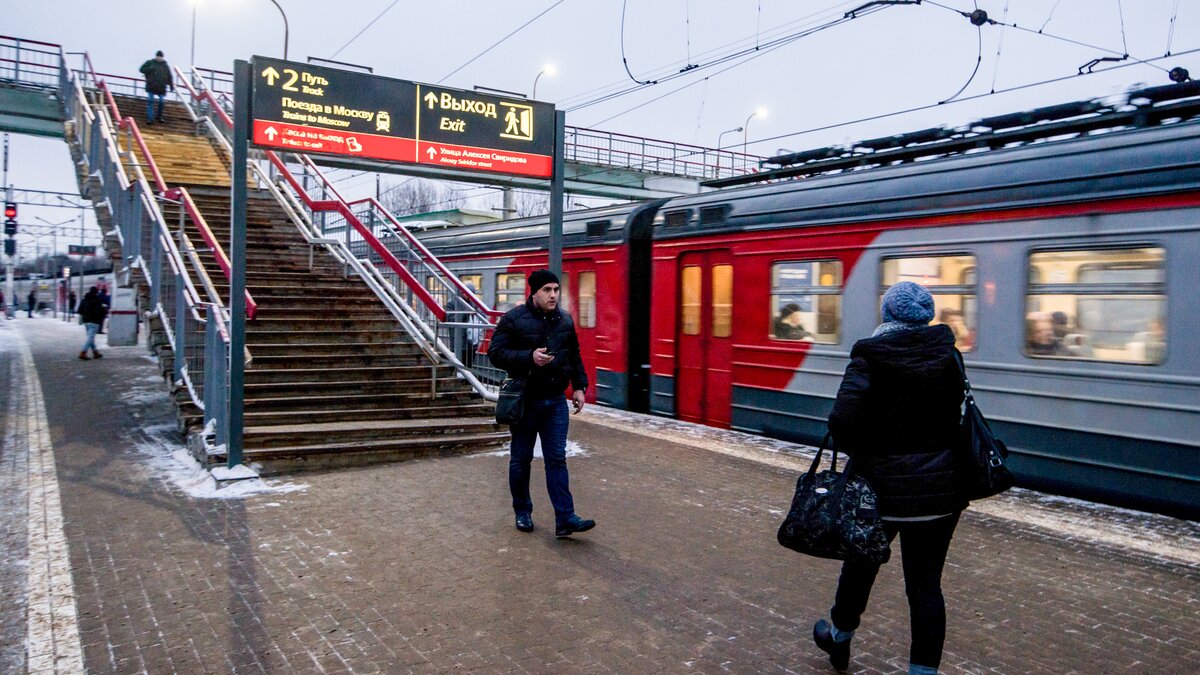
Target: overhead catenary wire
[[999, 46], [500, 41], [1171, 29], [978, 60], [668, 68], [364, 29], [746, 54]]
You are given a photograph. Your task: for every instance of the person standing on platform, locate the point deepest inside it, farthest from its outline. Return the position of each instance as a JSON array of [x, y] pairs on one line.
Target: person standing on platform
[[158, 79], [897, 415], [91, 314], [71, 300], [32, 300], [537, 342]]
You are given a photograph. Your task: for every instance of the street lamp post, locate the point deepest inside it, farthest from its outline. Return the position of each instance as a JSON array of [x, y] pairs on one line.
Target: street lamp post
[[193, 58], [285, 28], [761, 112], [550, 70], [721, 146]]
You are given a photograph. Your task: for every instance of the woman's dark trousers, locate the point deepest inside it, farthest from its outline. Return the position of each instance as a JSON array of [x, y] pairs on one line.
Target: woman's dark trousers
[[548, 419], [923, 546]]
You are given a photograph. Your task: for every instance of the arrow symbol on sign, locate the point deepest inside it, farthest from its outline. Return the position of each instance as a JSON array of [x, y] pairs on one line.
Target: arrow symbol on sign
[[271, 74], [271, 133], [431, 98], [432, 152]]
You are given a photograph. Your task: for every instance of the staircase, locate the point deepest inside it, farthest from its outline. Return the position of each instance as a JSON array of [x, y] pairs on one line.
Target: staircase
[[333, 380]]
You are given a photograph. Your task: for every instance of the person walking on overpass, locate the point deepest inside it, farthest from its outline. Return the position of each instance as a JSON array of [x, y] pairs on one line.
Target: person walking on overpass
[[158, 79], [897, 415], [91, 314], [537, 342]]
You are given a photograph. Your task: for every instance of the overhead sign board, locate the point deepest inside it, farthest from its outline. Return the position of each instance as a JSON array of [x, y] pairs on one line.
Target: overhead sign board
[[303, 108], [76, 249]]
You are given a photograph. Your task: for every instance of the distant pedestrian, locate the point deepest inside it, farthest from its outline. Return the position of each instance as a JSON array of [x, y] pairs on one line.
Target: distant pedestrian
[[32, 300], [105, 299], [158, 79], [537, 342], [91, 315], [897, 415], [71, 300]]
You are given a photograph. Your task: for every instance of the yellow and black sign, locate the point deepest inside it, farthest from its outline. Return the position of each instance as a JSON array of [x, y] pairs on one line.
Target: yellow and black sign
[[310, 109]]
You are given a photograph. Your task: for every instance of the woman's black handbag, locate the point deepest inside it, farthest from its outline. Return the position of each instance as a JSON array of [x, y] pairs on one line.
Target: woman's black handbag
[[834, 515], [510, 407], [981, 455]]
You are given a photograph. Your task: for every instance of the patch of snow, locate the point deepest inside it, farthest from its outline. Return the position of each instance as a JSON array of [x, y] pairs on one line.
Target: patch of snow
[[573, 450]]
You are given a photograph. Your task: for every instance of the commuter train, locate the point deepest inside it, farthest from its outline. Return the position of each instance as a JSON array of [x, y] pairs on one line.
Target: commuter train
[[1064, 260]]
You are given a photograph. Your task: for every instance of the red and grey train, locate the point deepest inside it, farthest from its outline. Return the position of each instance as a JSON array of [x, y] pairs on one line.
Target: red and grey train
[[1062, 251]]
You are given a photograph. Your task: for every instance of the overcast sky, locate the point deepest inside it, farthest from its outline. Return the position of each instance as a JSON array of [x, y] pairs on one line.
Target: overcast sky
[[897, 58]]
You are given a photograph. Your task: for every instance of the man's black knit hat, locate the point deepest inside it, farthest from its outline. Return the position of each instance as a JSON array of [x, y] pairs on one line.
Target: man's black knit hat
[[540, 278]]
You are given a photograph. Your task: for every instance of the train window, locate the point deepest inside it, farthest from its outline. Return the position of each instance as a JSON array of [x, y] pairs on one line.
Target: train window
[[1101, 305], [689, 302], [678, 218], [510, 291], [713, 215], [806, 301], [722, 300], [950, 279], [473, 282], [596, 229], [437, 290], [587, 300], [564, 292]]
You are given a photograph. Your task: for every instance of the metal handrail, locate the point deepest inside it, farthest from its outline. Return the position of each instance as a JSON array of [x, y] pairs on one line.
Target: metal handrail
[[181, 194]]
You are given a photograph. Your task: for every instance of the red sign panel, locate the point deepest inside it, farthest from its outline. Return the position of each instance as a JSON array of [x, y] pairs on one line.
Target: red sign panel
[[485, 159], [299, 138]]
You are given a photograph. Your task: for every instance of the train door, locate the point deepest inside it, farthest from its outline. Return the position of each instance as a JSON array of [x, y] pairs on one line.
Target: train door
[[579, 299], [704, 336]]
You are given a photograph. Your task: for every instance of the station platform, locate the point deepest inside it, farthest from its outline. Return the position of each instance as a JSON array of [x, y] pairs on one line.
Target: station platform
[[117, 555]]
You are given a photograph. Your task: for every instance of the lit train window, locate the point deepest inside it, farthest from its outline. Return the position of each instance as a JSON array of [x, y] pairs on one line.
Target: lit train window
[[689, 301], [510, 291], [587, 299], [950, 279], [1100, 305], [474, 281], [564, 294], [806, 301], [722, 300]]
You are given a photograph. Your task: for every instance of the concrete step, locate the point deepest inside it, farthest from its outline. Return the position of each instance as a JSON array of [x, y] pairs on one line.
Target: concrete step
[[314, 338], [393, 413], [354, 373], [360, 401], [403, 347], [342, 433], [297, 390], [384, 323], [277, 461]]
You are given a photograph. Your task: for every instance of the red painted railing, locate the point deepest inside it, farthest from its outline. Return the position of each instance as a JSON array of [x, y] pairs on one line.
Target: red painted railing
[[128, 123], [181, 195]]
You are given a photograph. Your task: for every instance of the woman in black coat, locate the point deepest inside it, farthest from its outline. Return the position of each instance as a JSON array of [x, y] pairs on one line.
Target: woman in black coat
[[897, 414]]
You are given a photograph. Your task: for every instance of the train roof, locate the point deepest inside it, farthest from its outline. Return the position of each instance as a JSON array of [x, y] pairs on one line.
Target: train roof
[[1103, 164]]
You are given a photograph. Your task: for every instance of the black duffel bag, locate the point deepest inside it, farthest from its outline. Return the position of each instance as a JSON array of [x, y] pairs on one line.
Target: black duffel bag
[[834, 515], [510, 407]]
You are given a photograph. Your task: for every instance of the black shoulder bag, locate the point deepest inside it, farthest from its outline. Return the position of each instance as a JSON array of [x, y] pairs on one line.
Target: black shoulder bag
[[981, 455], [834, 515], [510, 406]]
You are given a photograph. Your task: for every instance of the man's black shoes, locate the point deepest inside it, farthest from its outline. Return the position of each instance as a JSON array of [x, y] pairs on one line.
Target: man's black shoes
[[524, 522], [572, 525], [839, 652]]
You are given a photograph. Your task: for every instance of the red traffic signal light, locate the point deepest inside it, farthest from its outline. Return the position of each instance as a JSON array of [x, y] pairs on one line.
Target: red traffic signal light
[[10, 210]]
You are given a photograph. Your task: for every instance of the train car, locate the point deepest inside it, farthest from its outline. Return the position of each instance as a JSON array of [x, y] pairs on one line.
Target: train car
[[1066, 269], [605, 284]]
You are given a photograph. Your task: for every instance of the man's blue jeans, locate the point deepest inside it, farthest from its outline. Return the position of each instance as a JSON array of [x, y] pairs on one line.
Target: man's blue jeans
[[548, 419], [151, 115], [92, 329]]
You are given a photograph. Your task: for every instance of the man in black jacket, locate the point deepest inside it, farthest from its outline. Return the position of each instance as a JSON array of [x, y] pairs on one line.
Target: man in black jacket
[[537, 342], [91, 314], [158, 78]]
